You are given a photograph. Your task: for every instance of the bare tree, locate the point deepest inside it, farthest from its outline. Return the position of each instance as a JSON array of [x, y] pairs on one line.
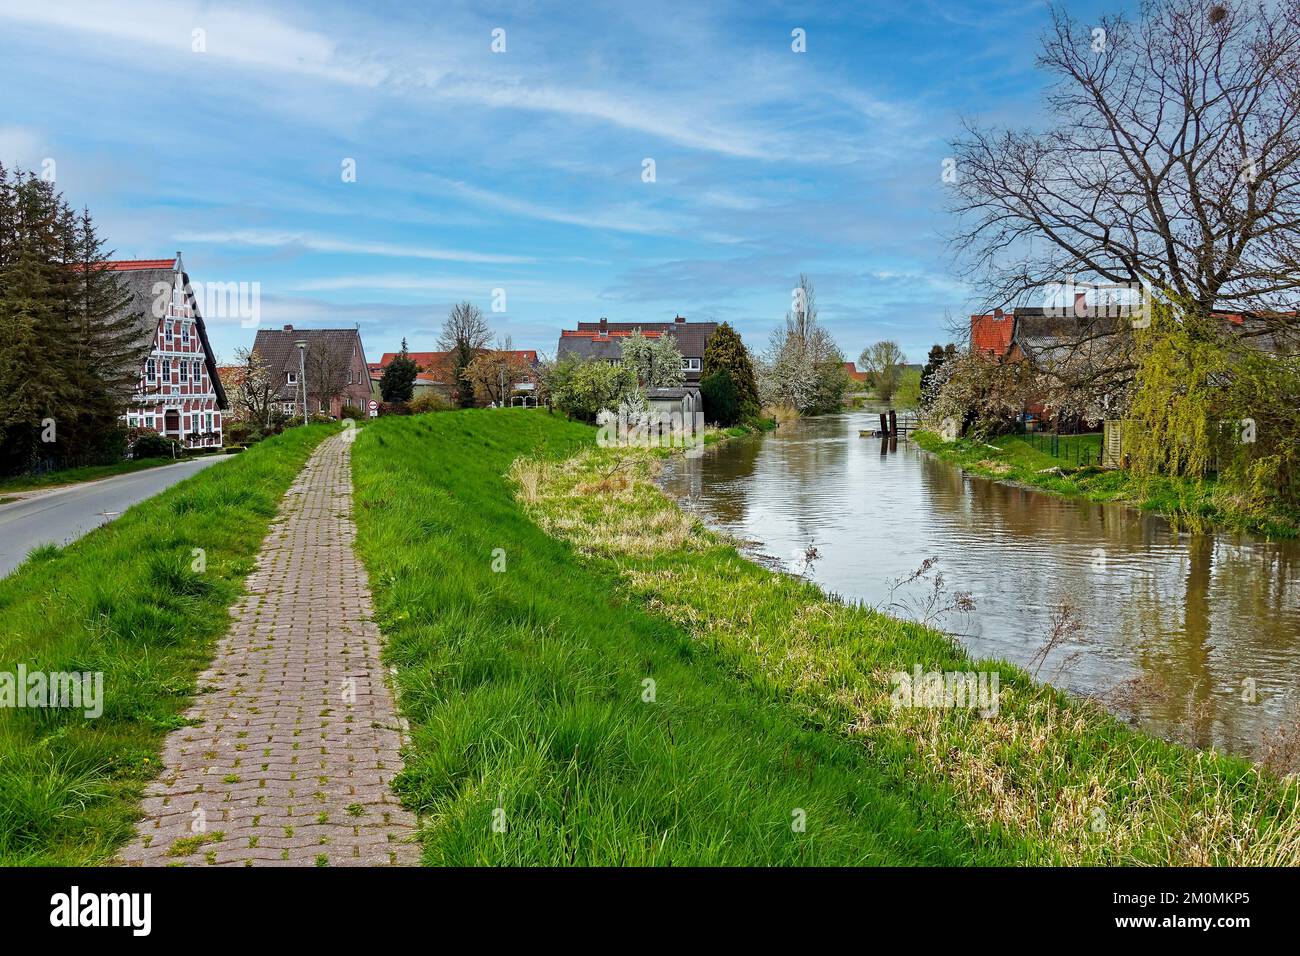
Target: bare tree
[[327, 375], [1174, 165], [255, 395], [464, 334]]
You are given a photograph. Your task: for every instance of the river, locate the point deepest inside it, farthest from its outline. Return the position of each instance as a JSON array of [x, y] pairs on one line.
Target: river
[[1193, 637]]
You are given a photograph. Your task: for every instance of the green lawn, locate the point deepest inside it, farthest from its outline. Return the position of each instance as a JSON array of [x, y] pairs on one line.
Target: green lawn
[[1189, 504], [71, 476], [126, 601], [525, 689], [772, 704]]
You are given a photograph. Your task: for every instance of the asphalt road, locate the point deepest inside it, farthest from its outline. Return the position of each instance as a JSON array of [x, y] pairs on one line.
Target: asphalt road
[[65, 514]]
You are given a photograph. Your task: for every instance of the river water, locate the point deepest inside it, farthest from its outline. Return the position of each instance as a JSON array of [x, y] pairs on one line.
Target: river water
[[1193, 637]]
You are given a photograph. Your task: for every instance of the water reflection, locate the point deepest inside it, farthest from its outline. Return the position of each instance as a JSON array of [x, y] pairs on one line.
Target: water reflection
[[1177, 629]]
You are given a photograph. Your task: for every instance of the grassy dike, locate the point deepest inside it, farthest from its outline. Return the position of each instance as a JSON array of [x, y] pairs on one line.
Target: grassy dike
[[126, 601], [525, 691], [1189, 504]]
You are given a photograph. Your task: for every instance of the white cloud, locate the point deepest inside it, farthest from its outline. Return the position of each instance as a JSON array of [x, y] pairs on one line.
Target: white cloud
[[316, 243], [249, 37]]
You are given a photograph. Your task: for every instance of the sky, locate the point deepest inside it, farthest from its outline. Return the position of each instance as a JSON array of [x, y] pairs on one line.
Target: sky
[[371, 165]]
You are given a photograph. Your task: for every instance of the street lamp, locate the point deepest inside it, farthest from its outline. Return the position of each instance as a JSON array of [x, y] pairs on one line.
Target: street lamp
[[302, 374]]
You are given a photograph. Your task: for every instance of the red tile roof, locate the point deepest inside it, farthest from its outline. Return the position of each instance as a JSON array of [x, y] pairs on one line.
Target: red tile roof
[[139, 265], [428, 360], [991, 333], [852, 369]]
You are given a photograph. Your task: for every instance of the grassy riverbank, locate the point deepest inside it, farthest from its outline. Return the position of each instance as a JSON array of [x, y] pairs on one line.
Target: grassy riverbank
[[126, 600], [526, 690], [1189, 504]]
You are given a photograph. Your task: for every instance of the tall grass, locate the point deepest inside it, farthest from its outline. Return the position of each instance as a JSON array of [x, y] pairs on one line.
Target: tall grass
[[126, 600], [523, 669], [1044, 780]]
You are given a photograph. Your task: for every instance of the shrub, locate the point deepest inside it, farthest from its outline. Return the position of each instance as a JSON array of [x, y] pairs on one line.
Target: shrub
[[721, 399], [429, 401], [352, 412], [147, 443]]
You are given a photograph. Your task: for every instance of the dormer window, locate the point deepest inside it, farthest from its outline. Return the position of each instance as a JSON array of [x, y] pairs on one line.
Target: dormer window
[[690, 365], [293, 378]]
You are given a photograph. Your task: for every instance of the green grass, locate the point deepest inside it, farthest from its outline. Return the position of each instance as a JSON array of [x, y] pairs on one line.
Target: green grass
[[1188, 504], [72, 476], [525, 687], [126, 601]]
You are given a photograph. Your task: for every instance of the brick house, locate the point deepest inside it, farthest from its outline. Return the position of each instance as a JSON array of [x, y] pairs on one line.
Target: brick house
[[335, 357], [604, 340], [437, 373], [180, 394]]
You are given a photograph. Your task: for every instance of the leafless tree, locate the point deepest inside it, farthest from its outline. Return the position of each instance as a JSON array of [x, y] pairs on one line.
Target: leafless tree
[[1174, 164], [327, 375], [256, 392], [464, 334]]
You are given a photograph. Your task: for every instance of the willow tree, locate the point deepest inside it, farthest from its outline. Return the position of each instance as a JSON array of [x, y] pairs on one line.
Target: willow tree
[[1179, 410]]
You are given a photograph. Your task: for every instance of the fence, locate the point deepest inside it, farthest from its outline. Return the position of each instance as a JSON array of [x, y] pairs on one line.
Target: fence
[[1081, 450]]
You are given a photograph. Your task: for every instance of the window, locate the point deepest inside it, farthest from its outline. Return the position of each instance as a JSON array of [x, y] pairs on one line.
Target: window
[[166, 370], [293, 378], [198, 371], [168, 327], [150, 370], [207, 422], [185, 333], [288, 408], [184, 370], [132, 421], [323, 409], [690, 365]]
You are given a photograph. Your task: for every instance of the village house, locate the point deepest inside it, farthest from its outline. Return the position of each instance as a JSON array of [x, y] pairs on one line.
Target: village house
[[332, 360], [437, 372], [180, 394]]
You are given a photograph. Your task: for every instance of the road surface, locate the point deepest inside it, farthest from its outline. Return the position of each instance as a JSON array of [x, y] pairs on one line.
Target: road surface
[[65, 514]]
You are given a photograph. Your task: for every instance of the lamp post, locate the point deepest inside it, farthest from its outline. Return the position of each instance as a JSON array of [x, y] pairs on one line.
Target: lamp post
[[302, 374]]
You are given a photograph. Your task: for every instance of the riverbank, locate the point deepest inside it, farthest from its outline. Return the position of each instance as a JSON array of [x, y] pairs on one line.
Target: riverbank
[[673, 702], [1188, 504], [140, 601]]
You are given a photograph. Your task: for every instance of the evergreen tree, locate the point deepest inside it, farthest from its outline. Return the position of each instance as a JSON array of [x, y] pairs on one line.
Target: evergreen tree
[[398, 381], [725, 351]]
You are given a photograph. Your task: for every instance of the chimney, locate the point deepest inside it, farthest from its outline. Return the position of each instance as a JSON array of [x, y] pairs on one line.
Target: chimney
[[604, 324], [679, 318], [288, 328], [997, 313]]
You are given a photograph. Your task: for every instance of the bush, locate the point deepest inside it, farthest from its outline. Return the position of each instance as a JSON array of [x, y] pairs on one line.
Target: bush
[[147, 443], [581, 389], [721, 399], [394, 408], [352, 412], [429, 401]]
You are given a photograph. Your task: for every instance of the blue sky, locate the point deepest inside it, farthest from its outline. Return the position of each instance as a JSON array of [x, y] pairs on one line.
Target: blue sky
[[523, 170]]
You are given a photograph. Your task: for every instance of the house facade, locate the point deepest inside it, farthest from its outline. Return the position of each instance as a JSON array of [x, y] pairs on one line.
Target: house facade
[[326, 373], [437, 372], [180, 394], [604, 340]]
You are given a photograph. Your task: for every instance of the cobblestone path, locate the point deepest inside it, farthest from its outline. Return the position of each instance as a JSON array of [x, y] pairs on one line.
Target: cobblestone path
[[296, 737]]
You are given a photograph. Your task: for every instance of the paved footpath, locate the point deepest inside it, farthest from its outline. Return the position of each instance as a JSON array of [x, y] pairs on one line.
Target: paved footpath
[[296, 737]]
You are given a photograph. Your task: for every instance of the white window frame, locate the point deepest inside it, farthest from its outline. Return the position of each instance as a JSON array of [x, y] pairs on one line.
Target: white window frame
[[691, 364], [184, 370], [185, 333], [167, 330], [293, 378]]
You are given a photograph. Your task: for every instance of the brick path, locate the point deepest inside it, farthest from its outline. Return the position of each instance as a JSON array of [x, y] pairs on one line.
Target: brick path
[[297, 738]]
